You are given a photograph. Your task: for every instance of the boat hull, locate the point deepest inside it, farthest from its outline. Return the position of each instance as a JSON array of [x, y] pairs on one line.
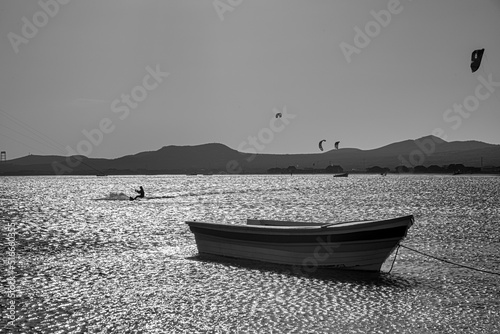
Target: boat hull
[[361, 245]]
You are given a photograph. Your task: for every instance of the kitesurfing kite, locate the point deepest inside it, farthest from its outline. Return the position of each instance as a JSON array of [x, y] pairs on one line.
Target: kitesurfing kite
[[476, 57], [321, 144], [278, 115], [337, 145]]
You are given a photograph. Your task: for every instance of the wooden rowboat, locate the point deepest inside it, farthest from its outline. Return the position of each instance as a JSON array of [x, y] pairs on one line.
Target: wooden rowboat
[[354, 245]]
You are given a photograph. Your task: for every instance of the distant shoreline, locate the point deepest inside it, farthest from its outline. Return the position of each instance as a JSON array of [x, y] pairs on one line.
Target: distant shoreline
[[421, 156], [153, 173]]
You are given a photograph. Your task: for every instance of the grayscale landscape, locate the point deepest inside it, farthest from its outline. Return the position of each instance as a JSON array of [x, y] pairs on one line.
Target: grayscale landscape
[[249, 166]]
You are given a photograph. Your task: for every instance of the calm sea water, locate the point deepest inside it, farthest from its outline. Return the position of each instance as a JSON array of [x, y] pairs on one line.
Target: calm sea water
[[87, 260]]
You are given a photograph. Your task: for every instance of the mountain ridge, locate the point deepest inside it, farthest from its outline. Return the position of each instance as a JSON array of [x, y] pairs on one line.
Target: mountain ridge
[[217, 157]]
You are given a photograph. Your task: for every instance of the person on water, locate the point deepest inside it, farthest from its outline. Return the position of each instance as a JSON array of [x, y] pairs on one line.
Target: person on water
[[140, 192]]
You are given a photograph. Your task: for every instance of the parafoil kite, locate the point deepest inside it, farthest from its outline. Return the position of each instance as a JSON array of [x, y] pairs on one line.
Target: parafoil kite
[[321, 144], [476, 57], [337, 145], [278, 115]]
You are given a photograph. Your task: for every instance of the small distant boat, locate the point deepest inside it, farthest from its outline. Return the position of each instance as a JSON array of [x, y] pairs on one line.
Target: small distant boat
[[355, 245], [341, 175], [457, 172]]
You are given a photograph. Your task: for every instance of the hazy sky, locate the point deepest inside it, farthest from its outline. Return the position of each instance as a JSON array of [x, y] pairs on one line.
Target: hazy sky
[[139, 75]]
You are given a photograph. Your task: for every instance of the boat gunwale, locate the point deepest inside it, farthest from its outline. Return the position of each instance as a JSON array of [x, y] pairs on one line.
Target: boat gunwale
[[344, 227]]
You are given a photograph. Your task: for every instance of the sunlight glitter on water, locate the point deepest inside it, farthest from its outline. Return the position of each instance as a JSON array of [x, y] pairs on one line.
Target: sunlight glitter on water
[[86, 264]]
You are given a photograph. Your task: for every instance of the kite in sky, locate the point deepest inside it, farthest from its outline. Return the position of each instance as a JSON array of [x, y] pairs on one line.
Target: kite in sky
[[476, 57], [321, 144]]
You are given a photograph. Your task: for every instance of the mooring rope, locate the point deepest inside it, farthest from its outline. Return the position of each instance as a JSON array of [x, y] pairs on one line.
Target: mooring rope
[[447, 261], [395, 256]]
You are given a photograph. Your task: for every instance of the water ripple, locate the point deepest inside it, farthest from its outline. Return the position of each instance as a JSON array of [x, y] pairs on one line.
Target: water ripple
[[88, 263]]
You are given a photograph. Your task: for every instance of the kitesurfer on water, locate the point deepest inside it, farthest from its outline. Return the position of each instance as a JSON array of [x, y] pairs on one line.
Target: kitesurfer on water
[[140, 192]]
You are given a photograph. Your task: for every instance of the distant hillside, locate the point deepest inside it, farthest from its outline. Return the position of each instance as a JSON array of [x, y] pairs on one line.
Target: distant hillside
[[207, 156], [218, 158]]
